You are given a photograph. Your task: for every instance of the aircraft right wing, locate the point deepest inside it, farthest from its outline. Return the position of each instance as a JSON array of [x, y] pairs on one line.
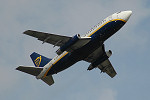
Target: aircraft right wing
[[66, 43], [56, 40]]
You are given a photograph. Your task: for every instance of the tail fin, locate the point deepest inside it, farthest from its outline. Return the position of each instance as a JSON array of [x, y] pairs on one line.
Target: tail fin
[[39, 60]]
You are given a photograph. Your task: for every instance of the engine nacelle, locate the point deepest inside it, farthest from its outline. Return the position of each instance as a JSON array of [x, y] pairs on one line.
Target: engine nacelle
[[100, 60], [109, 53], [68, 44]]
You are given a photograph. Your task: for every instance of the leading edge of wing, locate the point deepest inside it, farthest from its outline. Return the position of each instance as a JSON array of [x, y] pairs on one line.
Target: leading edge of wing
[[57, 40]]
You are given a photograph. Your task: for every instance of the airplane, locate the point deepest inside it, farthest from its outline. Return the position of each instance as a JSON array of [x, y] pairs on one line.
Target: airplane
[[89, 47]]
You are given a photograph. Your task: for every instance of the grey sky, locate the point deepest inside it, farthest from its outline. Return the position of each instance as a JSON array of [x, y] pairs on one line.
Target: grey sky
[[130, 48]]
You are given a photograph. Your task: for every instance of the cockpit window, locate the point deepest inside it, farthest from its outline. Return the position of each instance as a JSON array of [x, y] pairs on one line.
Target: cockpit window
[[118, 12]]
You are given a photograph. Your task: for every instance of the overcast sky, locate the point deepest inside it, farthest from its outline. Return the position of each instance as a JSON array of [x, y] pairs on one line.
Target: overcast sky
[[130, 46]]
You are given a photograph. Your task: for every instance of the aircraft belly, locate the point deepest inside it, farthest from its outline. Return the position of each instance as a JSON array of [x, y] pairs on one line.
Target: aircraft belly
[[63, 63], [97, 40], [108, 30]]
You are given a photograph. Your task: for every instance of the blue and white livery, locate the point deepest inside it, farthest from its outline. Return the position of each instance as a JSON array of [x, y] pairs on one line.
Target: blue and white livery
[[89, 47]]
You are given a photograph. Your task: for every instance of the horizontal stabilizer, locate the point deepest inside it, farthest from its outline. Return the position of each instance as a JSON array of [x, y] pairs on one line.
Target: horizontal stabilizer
[[30, 70], [48, 80]]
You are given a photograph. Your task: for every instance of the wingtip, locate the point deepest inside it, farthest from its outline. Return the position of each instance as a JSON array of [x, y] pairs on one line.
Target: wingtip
[[16, 68], [27, 31], [113, 75]]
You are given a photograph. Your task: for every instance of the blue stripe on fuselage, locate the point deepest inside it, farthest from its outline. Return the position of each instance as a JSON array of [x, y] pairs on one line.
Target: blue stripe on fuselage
[[107, 30], [98, 37]]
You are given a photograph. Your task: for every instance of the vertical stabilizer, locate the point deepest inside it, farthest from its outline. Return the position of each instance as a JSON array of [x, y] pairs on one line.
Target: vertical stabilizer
[[39, 60]]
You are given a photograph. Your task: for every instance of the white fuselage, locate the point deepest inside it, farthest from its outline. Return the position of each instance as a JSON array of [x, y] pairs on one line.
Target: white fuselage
[[123, 16]]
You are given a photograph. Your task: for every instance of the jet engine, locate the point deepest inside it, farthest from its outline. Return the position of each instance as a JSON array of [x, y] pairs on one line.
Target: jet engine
[[68, 44], [100, 59]]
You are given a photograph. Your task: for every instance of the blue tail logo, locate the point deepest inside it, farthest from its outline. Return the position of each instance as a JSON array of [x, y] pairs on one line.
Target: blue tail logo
[[39, 60]]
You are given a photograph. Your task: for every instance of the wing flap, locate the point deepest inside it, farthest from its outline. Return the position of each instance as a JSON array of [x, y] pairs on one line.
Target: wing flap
[[56, 40], [30, 70], [48, 80], [107, 67]]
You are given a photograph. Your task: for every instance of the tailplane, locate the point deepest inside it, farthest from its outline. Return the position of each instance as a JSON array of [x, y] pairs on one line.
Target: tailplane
[[48, 80], [39, 60], [35, 71], [30, 70]]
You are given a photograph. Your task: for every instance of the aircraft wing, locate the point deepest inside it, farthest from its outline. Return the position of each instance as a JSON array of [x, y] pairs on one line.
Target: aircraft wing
[[56, 40], [105, 66], [97, 53]]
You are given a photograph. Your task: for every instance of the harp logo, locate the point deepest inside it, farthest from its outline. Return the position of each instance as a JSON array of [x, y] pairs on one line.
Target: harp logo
[[38, 61]]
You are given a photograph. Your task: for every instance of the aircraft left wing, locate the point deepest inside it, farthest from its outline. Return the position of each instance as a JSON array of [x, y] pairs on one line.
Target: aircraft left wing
[[93, 56], [106, 65], [56, 40]]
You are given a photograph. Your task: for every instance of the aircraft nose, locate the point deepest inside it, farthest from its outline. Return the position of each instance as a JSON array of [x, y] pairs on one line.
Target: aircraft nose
[[125, 15]]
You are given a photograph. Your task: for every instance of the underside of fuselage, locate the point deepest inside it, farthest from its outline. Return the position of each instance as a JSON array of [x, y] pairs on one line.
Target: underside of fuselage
[[97, 40], [89, 47]]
